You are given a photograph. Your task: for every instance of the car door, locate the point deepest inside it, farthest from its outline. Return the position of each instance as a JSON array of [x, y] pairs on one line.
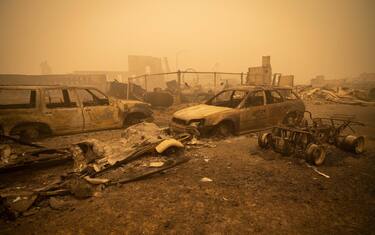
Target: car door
[[62, 112], [97, 111], [253, 113], [275, 107]]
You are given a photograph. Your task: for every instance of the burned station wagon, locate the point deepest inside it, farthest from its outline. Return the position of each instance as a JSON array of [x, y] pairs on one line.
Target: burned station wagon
[[36, 111], [239, 110]]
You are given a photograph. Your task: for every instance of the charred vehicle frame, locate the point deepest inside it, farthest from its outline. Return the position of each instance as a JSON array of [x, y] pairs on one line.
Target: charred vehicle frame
[[238, 110], [32, 112], [311, 140]]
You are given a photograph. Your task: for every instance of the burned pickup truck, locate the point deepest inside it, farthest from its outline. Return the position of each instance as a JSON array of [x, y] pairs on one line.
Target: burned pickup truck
[[239, 110], [32, 112]]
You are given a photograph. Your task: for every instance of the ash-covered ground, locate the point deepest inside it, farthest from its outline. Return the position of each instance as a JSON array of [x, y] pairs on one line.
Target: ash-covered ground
[[252, 191]]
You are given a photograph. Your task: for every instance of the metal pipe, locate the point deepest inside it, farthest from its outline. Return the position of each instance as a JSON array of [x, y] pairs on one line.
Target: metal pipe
[[128, 89], [145, 81], [215, 82]]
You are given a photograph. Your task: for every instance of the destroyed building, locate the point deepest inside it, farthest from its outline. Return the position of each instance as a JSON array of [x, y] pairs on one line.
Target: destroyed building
[[364, 84], [120, 76], [363, 81], [282, 80], [260, 75], [321, 81], [117, 81], [140, 65], [286, 80]]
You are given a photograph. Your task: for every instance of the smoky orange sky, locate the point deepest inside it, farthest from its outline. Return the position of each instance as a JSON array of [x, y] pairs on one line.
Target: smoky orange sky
[[303, 37]]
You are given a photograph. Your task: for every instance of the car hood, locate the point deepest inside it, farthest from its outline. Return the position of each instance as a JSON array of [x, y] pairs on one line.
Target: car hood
[[198, 112]]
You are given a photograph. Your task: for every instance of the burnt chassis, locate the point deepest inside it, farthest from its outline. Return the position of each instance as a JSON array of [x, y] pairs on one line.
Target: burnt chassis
[[311, 140]]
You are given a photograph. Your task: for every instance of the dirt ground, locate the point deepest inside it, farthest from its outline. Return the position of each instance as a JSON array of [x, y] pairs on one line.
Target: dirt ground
[[252, 192]]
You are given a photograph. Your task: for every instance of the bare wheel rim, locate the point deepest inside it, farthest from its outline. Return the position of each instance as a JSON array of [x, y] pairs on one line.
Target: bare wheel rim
[[263, 140], [223, 130], [319, 156], [29, 134], [359, 145], [315, 154]]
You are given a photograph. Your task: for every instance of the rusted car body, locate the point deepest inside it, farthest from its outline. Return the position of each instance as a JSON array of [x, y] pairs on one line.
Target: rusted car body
[[239, 110], [35, 111]]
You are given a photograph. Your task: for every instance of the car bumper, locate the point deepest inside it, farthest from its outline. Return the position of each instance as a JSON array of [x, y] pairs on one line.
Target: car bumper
[[198, 131]]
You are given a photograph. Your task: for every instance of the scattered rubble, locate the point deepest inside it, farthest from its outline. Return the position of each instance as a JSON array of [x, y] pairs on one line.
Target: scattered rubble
[[159, 98], [5, 154], [206, 179], [199, 143], [33, 158], [317, 171], [166, 144], [58, 204], [96, 163], [156, 164], [340, 96]]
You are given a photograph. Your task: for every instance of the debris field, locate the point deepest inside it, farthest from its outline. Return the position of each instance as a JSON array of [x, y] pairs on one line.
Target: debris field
[[189, 185]]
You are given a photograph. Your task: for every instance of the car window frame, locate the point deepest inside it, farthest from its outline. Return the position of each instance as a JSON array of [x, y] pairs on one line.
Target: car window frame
[[242, 105], [95, 98], [243, 99], [209, 102], [282, 98], [33, 100], [291, 91], [100, 92], [72, 90], [67, 102]]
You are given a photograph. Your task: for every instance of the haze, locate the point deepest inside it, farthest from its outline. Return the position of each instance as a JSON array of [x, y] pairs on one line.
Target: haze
[[304, 38]]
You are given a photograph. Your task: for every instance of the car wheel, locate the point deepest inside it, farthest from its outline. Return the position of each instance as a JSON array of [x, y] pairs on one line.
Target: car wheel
[[351, 143], [315, 154], [223, 130], [29, 133], [264, 140], [133, 119], [359, 145], [2, 133]]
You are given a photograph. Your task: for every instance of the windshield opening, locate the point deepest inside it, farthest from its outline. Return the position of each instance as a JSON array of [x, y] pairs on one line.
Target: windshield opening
[[228, 98]]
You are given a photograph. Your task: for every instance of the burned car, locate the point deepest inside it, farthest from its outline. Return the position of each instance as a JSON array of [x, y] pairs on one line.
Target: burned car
[[239, 110], [36, 111]]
